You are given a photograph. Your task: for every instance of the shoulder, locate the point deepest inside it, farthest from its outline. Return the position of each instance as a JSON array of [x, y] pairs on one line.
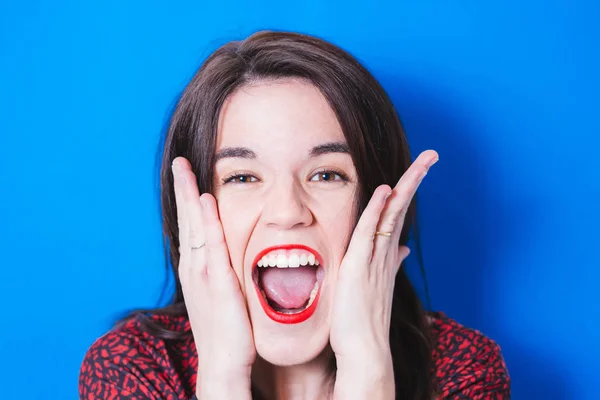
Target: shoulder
[[130, 361], [467, 362]]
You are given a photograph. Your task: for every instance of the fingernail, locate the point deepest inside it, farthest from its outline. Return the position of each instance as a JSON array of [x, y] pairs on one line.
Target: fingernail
[[203, 203], [435, 160]]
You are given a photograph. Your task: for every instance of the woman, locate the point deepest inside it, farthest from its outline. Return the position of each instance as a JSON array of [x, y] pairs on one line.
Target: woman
[[287, 197]]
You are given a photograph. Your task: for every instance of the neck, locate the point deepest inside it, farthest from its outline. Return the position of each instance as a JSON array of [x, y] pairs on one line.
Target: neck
[[310, 381]]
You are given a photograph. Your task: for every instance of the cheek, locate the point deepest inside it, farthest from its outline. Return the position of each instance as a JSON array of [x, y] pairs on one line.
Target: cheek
[[238, 217], [336, 217]]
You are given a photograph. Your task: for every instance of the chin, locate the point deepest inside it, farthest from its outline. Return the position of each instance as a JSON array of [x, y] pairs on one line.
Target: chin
[[285, 344]]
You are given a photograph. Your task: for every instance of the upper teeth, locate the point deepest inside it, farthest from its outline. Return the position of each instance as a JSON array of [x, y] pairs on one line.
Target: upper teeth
[[292, 259]]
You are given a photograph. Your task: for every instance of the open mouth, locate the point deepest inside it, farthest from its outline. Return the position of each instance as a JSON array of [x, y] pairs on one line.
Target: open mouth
[[288, 280]]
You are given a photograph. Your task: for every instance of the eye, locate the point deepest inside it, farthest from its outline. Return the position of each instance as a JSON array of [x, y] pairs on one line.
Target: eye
[[329, 175], [240, 178]]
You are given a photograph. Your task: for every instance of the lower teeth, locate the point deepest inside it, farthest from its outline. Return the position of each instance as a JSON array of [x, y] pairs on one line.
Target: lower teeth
[[313, 294]]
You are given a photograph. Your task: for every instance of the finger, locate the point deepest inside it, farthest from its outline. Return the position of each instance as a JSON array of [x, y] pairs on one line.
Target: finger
[[193, 260], [196, 240], [394, 213], [217, 253], [392, 219], [402, 254], [178, 187], [360, 249]]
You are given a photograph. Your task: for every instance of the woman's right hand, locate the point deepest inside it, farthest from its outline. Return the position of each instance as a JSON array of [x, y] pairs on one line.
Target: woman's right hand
[[212, 294]]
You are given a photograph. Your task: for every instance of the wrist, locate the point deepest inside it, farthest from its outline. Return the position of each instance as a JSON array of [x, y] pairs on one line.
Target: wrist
[[365, 378], [224, 386]]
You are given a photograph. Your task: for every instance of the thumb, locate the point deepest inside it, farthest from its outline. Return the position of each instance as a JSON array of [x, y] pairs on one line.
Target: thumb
[[403, 252]]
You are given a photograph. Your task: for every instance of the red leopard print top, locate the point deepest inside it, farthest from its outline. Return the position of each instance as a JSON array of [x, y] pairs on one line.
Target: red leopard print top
[[128, 363]]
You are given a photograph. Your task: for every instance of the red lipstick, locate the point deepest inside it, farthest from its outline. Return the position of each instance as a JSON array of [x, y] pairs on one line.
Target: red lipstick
[[277, 316]]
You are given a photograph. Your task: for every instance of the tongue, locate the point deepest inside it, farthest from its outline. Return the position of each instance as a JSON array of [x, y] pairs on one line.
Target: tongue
[[288, 287]]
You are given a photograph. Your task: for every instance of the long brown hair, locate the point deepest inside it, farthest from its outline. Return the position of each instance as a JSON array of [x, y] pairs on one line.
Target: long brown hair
[[373, 132]]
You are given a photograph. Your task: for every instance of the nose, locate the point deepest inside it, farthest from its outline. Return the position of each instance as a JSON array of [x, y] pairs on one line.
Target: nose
[[285, 207]]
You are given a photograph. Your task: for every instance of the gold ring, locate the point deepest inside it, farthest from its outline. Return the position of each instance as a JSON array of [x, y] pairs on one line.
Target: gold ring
[[386, 234], [198, 247]]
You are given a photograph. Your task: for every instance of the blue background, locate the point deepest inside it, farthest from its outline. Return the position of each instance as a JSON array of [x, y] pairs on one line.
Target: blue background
[[506, 91]]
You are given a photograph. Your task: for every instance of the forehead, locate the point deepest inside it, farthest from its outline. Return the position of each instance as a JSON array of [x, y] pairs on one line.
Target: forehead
[[281, 116]]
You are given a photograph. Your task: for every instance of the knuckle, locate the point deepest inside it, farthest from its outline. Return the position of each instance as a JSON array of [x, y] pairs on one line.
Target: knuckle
[[390, 221], [196, 274], [193, 233], [366, 231], [420, 170], [398, 215]]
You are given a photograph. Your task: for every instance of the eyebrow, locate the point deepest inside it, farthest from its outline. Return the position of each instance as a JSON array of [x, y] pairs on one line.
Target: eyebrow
[[235, 152], [331, 147], [244, 152]]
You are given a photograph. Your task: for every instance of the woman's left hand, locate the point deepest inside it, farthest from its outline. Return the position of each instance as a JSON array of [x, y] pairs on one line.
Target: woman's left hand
[[362, 304]]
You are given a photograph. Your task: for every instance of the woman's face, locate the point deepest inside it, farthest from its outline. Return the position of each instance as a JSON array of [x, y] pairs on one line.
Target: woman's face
[[285, 186]]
